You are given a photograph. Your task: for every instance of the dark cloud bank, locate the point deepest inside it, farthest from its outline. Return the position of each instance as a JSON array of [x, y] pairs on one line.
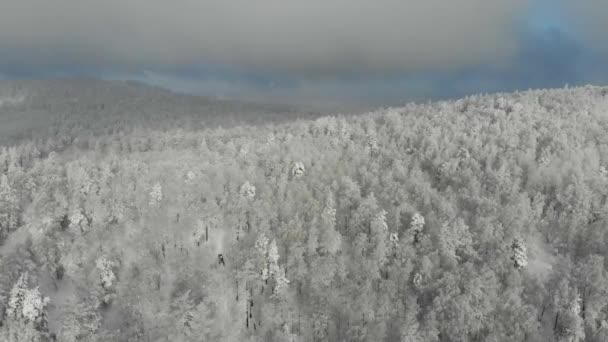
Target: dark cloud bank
[[335, 51]]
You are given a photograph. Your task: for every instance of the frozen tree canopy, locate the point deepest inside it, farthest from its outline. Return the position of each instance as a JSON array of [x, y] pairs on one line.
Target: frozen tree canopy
[[520, 253], [394, 238], [25, 302], [247, 190], [417, 223], [106, 275], [136, 215], [298, 170], [156, 194]]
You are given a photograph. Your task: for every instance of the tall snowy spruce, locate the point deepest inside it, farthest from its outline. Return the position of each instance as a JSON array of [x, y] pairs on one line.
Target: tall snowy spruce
[[519, 253]]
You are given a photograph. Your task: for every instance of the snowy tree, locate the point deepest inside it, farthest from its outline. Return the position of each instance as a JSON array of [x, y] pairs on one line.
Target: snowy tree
[[394, 238], [416, 226], [273, 258], [244, 151], [329, 214], [190, 177], [570, 325], [417, 223], [9, 209], [463, 154], [417, 280], [372, 144], [107, 278], [261, 246], [25, 302], [156, 194], [247, 190], [379, 222], [265, 274], [282, 284], [455, 239], [603, 172], [78, 221], [298, 170], [519, 253], [17, 296], [34, 304], [330, 239], [544, 157]]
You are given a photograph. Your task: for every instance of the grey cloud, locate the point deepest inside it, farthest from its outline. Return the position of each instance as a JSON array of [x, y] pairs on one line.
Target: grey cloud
[[307, 36], [590, 22]]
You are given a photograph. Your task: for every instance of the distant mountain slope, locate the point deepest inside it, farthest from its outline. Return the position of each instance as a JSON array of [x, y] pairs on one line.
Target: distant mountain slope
[[39, 109]]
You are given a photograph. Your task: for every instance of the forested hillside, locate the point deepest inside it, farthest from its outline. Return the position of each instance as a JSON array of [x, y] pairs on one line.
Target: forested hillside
[[482, 219], [62, 110]]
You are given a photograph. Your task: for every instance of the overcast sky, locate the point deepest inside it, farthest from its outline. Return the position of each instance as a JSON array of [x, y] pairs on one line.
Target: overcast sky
[[330, 51]]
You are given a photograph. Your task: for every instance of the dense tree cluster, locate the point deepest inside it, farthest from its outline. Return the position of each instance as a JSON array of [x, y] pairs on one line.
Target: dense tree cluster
[[482, 219]]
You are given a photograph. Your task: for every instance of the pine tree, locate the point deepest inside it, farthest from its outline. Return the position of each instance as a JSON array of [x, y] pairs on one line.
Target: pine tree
[[247, 190], [519, 253], [107, 278], [298, 170], [570, 326], [416, 226], [9, 209], [156, 194], [330, 239]]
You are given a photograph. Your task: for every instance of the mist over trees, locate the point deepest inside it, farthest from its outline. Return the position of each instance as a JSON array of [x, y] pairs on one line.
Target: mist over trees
[[482, 219]]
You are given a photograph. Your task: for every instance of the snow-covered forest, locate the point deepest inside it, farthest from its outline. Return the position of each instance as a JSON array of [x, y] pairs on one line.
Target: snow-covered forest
[[128, 213]]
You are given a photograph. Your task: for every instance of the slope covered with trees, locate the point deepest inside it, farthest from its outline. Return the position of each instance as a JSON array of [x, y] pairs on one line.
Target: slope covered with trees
[[482, 219], [83, 108]]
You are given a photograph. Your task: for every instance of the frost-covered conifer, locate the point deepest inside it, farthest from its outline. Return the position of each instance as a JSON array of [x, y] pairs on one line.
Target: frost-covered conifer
[[282, 283], [273, 258], [78, 221], [190, 176], [107, 278], [26, 303], [379, 222], [34, 304], [330, 239], [270, 139], [417, 281], [8, 205], [417, 223], [298, 170], [394, 238], [372, 144], [106, 275], [603, 172], [501, 103], [544, 158], [416, 226], [519, 253], [261, 244], [156, 195], [463, 154], [444, 169], [344, 132], [265, 273], [570, 326], [17, 295], [329, 215], [244, 151], [247, 190]]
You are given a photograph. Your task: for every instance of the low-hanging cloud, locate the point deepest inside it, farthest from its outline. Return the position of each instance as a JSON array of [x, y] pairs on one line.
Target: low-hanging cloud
[[300, 36], [589, 22]]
